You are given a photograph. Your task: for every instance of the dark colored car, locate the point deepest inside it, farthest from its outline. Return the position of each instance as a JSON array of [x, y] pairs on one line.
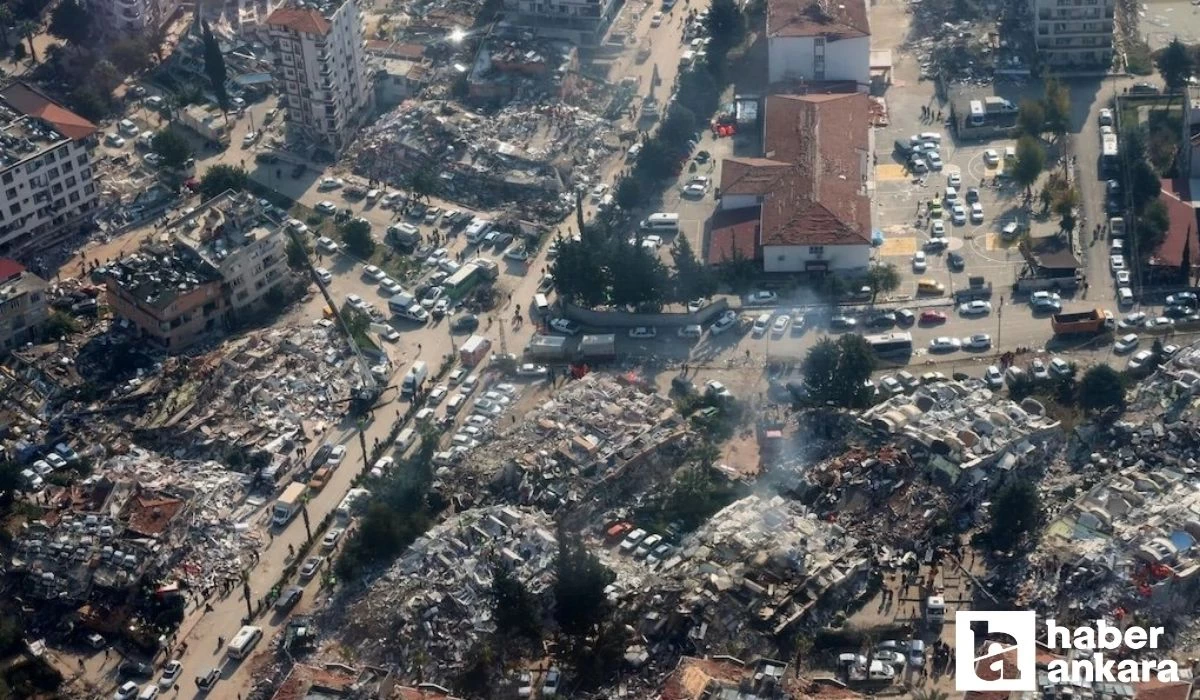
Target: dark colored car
[[465, 323], [884, 320], [1144, 89], [321, 456], [1177, 311], [129, 667], [208, 680], [288, 599], [956, 261]]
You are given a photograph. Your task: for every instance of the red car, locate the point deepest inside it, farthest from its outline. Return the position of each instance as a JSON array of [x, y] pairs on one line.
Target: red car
[[933, 317]]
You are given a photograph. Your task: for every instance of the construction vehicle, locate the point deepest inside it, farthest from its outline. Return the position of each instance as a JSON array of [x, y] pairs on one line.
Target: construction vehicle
[[1091, 322], [363, 397]]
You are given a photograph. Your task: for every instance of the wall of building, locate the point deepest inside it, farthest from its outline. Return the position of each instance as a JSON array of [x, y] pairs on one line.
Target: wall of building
[[791, 58], [181, 323], [22, 313], [840, 258], [254, 269], [43, 194], [738, 201]]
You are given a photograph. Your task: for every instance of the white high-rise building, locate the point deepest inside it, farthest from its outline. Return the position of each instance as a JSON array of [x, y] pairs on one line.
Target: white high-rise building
[[321, 70], [1074, 34]]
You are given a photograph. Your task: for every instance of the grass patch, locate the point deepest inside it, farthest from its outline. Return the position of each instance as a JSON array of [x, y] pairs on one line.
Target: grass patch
[[397, 265], [1138, 58]]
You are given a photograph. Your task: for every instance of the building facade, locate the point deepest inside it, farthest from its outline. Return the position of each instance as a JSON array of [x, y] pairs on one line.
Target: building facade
[[1074, 34], [174, 299], [321, 71], [46, 187], [23, 308], [584, 22], [127, 18], [819, 41]]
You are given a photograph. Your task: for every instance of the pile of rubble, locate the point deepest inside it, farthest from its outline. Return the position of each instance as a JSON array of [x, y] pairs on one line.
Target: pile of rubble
[[432, 605], [528, 154]]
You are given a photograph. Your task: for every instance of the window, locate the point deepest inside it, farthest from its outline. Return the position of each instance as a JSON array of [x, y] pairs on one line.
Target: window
[[57, 189], [82, 159], [52, 173], [32, 165], [71, 181], [11, 193], [67, 166], [90, 188], [59, 203], [7, 178], [15, 209], [50, 157], [74, 197], [817, 250]]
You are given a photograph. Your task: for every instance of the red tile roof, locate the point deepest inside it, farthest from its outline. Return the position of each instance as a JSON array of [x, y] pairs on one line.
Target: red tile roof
[[821, 198], [30, 102], [751, 176], [305, 20], [150, 515], [734, 230], [9, 269], [1155, 689], [1182, 213], [832, 19], [396, 49]]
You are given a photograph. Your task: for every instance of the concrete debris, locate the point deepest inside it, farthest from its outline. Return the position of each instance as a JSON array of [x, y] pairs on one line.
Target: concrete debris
[[427, 611]]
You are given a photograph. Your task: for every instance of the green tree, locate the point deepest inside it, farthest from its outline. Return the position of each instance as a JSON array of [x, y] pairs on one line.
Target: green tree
[[1031, 160], [1151, 229], [1101, 388], [214, 68], [1137, 176], [423, 184], [222, 177], [580, 579], [1015, 512], [637, 278], [1057, 105], [131, 55], [10, 481], [88, 103], [692, 279], [356, 234], [629, 195], [71, 22], [699, 92], [105, 78], [679, 127], [6, 21], [1031, 118], [835, 371], [27, 30], [1175, 65], [297, 254], [882, 278], [514, 608], [725, 24], [19, 52], [579, 275], [173, 146], [60, 325], [656, 161]]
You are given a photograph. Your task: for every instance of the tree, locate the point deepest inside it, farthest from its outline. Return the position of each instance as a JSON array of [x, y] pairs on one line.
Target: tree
[[1151, 229], [692, 280], [71, 22], [173, 146], [356, 234], [1015, 512], [19, 52], [1031, 118], [636, 278], [88, 103], [105, 77], [423, 184], [297, 254], [656, 162], [27, 30], [629, 195], [1031, 160], [579, 276], [679, 127], [1137, 176], [1057, 106], [882, 278], [725, 25], [214, 68], [835, 371], [130, 55], [222, 177], [514, 608], [580, 579], [6, 20], [1101, 388], [1175, 65]]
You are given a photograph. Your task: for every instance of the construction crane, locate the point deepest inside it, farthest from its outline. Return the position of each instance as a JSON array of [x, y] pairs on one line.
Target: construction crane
[[363, 397]]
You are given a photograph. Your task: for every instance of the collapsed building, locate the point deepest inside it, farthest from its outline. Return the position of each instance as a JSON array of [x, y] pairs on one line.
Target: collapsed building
[[518, 67]]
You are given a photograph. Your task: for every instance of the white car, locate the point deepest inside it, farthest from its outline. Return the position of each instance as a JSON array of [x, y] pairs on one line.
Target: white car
[[1133, 320], [481, 422], [1116, 263], [153, 159], [694, 190], [470, 384], [918, 261], [336, 455], [327, 244], [497, 396], [1010, 230], [958, 214], [944, 344], [127, 691], [441, 307], [324, 275], [170, 674], [436, 394], [761, 298], [331, 538], [1038, 369], [1060, 367], [598, 192], [725, 322], [1123, 278], [891, 385], [643, 333], [1140, 360], [935, 160], [390, 286], [993, 377], [781, 324], [1126, 343], [249, 139], [372, 273], [355, 301], [431, 297], [656, 19], [954, 179], [991, 157], [976, 213], [975, 308], [114, 140], [1169, 351], [979, 341], [696, 304], [761, 324], [331, 183], [1161, 324], [528, 370], [938, 228], [326, 207], [390, 334]]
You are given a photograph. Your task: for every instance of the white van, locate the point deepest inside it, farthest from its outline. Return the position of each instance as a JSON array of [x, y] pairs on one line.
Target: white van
[[977, 113], [244, 641], [661, 221], [477, 229], [405, 439], [541, 305]]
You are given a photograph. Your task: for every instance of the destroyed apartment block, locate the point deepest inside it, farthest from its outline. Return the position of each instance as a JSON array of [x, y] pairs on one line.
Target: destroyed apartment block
[[967, 431], [431, 606], [530, 155], [512, 66], [727, 678]]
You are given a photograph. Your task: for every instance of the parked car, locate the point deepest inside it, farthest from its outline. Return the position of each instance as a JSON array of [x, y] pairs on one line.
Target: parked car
[[727, 320], [1126, 343], [944, 344], [643, 333], [761, 298], [310, 567]]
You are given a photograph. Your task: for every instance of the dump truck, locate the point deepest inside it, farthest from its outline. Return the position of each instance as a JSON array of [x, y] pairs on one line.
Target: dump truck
[[1089, 322], [288, 503]]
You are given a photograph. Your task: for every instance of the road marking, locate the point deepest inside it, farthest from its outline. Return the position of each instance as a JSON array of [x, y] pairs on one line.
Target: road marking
[[890, 172]]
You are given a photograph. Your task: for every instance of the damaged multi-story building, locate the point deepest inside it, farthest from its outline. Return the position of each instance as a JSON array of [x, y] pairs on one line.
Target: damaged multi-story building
[[321, 70], [584, 22], [46, 188], [510, 65], [220, 267], [23, 307]]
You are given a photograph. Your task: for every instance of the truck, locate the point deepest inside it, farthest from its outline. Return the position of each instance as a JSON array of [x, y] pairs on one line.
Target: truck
[[288, 503], [403, 235], [1109, 153], [473, 350], [998, 105], [547, 347], [978, 288], [598, 347], [488, 269], [1116, 227], [414, 379], [1090, 322]]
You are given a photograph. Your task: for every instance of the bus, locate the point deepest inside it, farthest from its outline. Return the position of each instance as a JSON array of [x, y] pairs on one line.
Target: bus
[[244, 641], [463, 281], [1109, 162], [891, 345]]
